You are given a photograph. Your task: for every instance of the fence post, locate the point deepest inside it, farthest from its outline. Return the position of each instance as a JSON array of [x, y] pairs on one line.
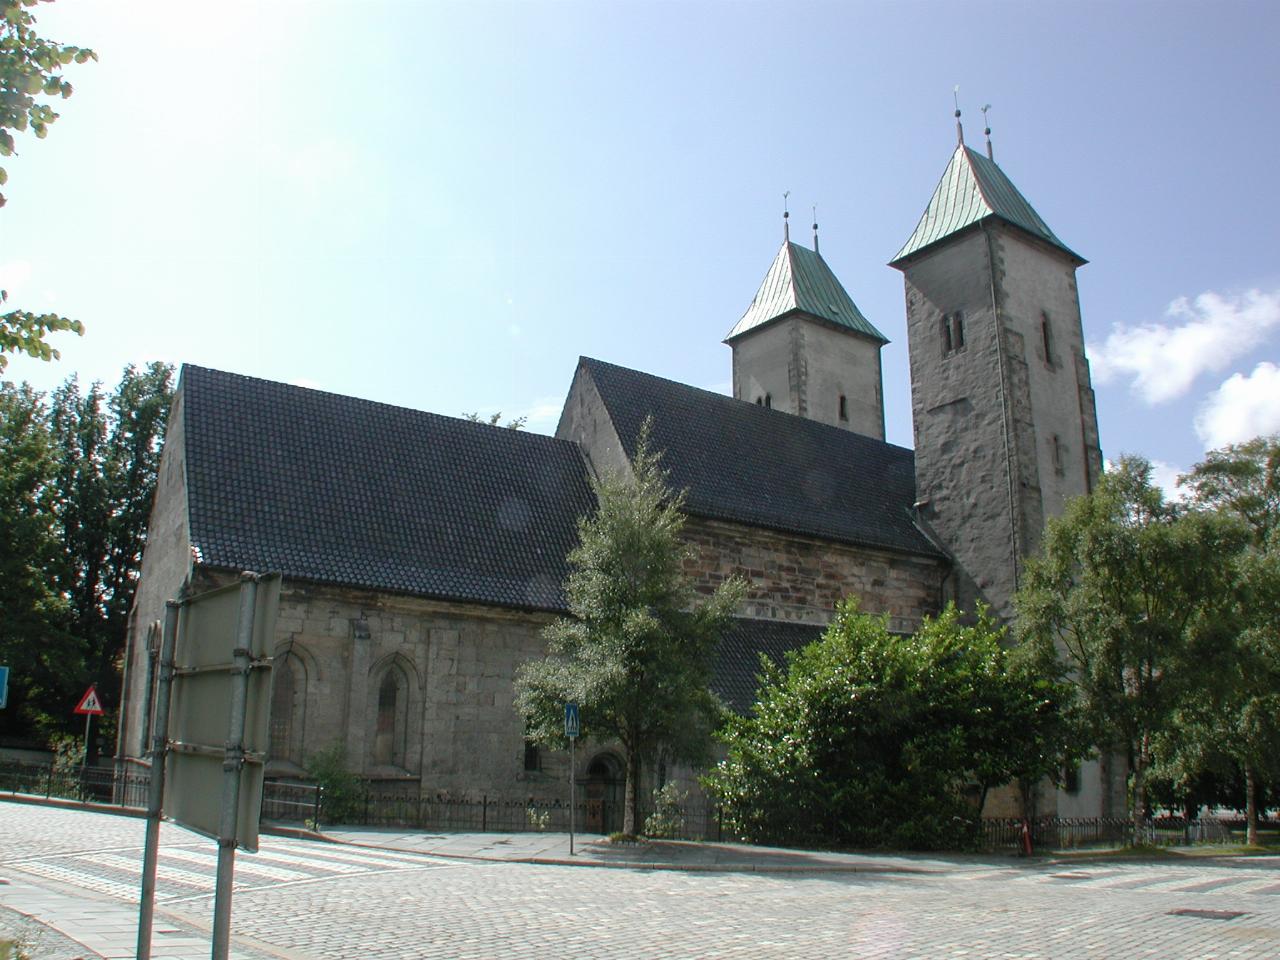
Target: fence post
[[366, 805], [319, 795], [48, 783], [484, 812]]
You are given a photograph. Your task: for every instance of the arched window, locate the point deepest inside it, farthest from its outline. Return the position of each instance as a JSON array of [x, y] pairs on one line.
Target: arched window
[[390, 727], [288, 709]]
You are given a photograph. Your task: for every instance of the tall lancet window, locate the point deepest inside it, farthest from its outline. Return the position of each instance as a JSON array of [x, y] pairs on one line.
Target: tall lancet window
[[389, 732]]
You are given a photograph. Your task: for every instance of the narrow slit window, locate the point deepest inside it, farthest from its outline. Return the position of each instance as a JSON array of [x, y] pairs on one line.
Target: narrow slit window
[[1046, 337], [844, 407], [957, 330], [532, 757], [946, 334], [1059, 456]]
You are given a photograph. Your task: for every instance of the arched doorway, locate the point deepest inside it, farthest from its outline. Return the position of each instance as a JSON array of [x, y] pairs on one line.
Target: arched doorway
[[603, 787]]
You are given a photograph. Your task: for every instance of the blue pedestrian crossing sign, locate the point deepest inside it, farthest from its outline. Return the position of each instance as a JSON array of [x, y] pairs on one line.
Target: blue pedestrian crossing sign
[[4, 687], [571, 725]]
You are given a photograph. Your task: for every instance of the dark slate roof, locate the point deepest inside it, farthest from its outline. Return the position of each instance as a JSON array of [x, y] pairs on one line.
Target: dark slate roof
[[737, 666], [339, 490], [743, 462]]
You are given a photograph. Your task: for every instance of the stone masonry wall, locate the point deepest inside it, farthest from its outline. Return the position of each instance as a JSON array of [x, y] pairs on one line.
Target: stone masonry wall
[[791, 577]]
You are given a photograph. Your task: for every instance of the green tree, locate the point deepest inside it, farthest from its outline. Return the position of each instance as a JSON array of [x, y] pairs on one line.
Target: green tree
[[1236, 718], [30, 69], [1128, 597], [872, 739], [636, 653], [79, 475], [34, 640]]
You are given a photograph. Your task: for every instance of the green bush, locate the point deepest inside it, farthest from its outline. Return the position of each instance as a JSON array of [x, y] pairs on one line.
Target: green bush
[[667, 819], [342, 793]]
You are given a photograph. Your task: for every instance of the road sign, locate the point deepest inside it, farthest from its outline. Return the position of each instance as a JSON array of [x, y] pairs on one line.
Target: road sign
[[571, 725], [90, 704], [4, 687]]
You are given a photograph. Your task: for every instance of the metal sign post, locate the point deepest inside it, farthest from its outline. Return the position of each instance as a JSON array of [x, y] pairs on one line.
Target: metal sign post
[[572, 728], [155, 789], [91, 707], [241, 664]]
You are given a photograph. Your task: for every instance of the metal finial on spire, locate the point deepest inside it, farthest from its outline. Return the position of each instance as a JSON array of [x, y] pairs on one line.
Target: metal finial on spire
[[815, 228], [959, 129], [987, 131], [786, 218]]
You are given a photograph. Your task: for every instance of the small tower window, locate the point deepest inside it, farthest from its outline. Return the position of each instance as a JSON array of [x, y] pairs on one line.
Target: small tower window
[[844, 407], [1046, 338], [1059, 456], [768, 401], [532, 757], [952, 329]]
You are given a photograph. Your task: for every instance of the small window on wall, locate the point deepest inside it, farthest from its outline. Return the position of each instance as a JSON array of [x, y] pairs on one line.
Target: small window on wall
[[1071, 778], [952, 330], [532, 756], [1059, 456], [1046, 339], [844, 407]]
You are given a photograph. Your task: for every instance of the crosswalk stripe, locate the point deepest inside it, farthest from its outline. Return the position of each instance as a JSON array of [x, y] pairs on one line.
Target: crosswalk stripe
[[245, 863], [359, 855]]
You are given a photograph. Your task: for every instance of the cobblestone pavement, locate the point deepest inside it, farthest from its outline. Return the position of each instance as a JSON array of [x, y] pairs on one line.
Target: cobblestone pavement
[[301, 899]]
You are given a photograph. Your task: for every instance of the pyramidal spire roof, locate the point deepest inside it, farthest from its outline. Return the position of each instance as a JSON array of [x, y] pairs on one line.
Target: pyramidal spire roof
[[972, 189], [800, 281]]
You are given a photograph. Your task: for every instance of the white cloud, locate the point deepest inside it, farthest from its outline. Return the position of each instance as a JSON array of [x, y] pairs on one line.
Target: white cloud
[[1242, 408], [544, 413], [1202, 335]]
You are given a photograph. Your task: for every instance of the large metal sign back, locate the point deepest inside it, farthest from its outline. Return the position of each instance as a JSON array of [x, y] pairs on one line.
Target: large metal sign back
[[208, 627]]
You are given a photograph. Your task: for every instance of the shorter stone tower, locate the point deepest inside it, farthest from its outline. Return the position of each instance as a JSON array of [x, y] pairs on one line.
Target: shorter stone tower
[[804, 347]]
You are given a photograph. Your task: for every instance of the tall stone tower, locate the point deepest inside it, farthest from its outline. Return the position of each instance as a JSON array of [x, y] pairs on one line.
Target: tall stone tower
[[803, 346], [1002, 407]]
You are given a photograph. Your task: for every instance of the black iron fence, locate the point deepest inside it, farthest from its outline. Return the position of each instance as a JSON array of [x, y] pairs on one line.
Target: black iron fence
[[74, 782], [1068, 833]]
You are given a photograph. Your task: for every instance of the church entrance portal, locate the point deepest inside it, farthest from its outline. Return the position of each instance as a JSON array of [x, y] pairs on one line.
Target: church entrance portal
[[603, 787]]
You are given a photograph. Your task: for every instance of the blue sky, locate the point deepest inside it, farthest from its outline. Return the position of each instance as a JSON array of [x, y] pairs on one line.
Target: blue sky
[[442, 205]]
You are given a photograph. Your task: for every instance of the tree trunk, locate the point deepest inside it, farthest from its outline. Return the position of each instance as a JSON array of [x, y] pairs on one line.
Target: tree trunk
[[1140, 792], [1250, 806], [631, 803]]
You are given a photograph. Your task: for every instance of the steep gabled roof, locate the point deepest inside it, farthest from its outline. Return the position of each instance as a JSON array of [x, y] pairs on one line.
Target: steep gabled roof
[[340, 490], [744, 463], [972, 189], [799, 280]]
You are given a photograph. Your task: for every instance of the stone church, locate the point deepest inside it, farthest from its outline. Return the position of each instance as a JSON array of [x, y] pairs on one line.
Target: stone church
[[422, 555]]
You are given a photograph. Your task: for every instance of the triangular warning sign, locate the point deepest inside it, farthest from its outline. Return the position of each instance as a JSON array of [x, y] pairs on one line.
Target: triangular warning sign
[[90, 703]]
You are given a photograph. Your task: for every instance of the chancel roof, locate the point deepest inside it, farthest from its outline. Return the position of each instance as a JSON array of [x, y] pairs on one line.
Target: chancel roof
[[745, 463], [972, 189], [340, 490], [799, 280]]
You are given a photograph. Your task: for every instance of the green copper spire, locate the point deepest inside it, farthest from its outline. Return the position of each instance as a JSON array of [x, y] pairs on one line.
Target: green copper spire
[[799, 281], [972, 189]]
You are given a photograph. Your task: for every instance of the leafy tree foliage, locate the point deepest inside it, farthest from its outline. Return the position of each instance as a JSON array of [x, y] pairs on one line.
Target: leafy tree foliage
[[872, 739], [495, 419], [30, 68], [636, 653], [77, 484], [1132, 597], [1232, 722]]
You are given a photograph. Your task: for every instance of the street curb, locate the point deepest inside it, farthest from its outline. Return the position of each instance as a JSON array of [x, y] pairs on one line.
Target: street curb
[[64, 804]]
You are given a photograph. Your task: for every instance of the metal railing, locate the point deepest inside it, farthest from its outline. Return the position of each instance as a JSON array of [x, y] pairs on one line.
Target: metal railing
[[1067, 833], [74, 782]]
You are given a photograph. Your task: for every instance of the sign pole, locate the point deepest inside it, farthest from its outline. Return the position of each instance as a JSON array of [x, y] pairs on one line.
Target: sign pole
[[155, 789], [572, 727], [88, 719], [241, 665]]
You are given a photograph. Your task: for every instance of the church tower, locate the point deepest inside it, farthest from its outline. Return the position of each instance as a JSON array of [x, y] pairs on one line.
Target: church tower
[[804, 347], [1002, 406]]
